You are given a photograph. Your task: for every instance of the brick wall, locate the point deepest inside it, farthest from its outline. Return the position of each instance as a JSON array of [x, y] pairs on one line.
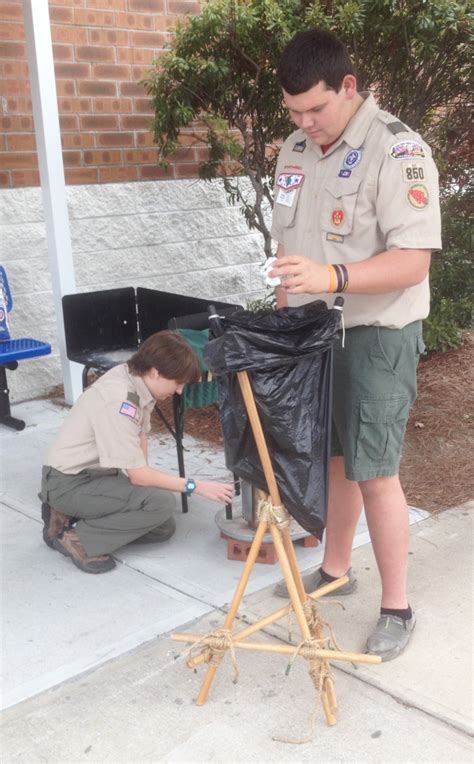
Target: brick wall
[[102, 49]]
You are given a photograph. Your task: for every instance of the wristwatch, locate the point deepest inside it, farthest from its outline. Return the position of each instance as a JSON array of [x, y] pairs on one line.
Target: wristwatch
[[190, 486]]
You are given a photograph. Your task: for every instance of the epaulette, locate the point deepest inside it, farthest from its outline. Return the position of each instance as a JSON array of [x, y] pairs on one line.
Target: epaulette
[[394, 125]]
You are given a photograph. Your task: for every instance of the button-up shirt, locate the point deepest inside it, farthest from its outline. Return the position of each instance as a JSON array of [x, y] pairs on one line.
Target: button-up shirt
[[103, 428], [373, 190]]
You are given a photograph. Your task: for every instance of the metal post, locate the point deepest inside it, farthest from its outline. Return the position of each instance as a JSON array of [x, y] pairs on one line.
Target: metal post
[[53, 187]]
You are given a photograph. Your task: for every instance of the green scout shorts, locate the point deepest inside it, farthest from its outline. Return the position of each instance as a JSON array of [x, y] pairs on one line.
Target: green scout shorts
[[373, 391]]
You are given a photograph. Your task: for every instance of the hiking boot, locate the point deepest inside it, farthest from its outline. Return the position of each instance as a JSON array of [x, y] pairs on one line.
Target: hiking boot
[[159, 534], [391, 636], [70, 546], [54, 523], [314, 580]]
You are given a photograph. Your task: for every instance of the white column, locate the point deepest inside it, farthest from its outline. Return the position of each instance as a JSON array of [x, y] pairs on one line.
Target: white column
[[53, 187]]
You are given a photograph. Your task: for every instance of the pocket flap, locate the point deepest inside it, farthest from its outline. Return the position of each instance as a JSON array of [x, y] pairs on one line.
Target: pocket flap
[[342, 186], [384, 410]]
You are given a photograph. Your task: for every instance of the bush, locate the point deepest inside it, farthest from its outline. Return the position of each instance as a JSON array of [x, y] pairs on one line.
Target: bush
[[452, 283]]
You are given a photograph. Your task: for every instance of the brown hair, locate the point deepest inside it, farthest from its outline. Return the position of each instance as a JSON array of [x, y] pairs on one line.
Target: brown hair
[[170, 354]]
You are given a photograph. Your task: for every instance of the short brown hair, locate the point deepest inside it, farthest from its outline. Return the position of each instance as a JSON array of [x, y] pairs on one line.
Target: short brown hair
[[170, 354]]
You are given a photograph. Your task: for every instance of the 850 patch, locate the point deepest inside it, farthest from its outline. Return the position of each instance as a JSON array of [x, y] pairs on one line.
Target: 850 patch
[[412, 171]]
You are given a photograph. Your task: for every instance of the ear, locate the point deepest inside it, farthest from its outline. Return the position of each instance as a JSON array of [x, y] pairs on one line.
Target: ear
[[349, 83]]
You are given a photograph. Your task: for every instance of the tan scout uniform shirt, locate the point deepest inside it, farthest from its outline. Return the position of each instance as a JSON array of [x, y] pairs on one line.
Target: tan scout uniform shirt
[[372, 191], [102, 429]]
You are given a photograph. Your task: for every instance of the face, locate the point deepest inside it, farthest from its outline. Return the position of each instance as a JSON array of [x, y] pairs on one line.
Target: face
[[322, 113], [160, 387]]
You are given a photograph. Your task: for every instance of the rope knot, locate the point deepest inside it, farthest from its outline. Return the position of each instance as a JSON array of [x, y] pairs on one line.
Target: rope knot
[[214, 646], [272, 514]]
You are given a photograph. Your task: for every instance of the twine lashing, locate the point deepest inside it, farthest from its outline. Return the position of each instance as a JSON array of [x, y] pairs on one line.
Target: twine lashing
[[273, 514], [213, 646]]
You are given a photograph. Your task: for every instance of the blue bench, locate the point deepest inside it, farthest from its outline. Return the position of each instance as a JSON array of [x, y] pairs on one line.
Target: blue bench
[[11, 352]]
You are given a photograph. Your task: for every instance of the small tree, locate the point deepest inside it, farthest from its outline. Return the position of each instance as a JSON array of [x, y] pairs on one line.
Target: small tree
[[219, 78]]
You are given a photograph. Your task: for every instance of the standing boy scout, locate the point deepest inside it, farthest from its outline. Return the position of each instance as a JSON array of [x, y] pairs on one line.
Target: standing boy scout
[[356, 211], [97, 473]]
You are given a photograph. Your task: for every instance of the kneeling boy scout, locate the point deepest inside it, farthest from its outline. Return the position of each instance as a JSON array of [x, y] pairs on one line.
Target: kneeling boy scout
[[96, 472]]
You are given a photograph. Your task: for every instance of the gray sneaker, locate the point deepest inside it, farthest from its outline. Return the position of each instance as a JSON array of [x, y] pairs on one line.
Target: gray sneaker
[[314, 580], [391, 636]]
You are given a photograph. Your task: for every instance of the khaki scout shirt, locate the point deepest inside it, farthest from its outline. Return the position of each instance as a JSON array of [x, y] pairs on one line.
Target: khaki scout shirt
[[103, 428], [373, 190]]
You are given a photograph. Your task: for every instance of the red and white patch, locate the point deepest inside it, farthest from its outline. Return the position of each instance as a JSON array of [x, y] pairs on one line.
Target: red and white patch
[[417, 196], [337, 216], [288, 181]]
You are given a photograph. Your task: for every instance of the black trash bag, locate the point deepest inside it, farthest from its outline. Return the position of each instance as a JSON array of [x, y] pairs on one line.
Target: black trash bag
[[288, 355]]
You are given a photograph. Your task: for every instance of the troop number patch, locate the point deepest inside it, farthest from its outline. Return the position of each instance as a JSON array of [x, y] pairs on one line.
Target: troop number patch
[[417, 196], [413, 171]]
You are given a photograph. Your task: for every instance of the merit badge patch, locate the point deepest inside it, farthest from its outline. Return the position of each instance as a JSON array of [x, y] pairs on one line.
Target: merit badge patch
[[300, 146], [407, 150], [337, 216], [352, 159], [412, 171], [128, 409], [290, 180], [345, 173], [417, 196]]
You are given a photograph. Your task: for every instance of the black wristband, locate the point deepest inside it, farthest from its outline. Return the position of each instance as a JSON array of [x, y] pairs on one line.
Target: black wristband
[[339, 277], [345, 276]]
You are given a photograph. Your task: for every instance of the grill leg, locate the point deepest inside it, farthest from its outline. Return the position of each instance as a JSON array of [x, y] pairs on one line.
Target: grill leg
[[178, 411], [5, 412]]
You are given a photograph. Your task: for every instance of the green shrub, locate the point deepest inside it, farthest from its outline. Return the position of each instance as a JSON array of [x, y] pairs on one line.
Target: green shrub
[[451, 278]]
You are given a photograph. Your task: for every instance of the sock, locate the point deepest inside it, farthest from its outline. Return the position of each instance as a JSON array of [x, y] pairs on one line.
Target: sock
[[406, 614], [327, 577]]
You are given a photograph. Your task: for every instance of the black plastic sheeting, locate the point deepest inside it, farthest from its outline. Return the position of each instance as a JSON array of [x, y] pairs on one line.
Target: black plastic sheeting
[[288, 354]]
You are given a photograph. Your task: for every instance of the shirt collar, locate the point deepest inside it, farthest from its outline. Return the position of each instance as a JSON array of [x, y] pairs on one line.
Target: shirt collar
[[141, 389], [355, 130], [358, 126]]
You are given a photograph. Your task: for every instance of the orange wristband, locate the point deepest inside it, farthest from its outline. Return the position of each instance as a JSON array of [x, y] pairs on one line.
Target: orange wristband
[[332, 279]]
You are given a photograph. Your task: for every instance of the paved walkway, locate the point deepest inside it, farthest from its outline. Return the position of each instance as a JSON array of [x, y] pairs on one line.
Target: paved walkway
[[120, 690]]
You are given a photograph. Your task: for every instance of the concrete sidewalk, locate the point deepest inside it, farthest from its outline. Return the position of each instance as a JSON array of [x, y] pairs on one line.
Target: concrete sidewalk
[[139, 708]]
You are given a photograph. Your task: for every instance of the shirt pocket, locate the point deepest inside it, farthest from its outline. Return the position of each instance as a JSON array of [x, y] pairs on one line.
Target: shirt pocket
[[338, 207], [286, 214], [382, 427]]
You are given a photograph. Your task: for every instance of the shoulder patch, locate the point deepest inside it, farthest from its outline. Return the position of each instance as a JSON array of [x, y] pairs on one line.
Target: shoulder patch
[[133, 398], [128, 409], [407, 150], [417, 196]]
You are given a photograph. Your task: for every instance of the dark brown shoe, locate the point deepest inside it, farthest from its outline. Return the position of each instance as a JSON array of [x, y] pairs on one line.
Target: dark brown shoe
[[54, 523], [70, 546]]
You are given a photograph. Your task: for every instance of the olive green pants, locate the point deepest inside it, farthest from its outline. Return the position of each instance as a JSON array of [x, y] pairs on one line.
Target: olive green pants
[[112, 512]]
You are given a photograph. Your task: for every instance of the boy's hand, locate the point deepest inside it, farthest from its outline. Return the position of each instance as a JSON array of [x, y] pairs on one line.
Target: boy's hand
[[222, 493], [300, 275]]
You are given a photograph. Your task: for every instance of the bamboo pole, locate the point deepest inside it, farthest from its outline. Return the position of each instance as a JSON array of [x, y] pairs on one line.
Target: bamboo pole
[[249, 563], [330, 655], [269, 619]]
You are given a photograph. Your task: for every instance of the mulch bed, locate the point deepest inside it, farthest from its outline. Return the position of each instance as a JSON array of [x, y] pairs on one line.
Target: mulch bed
[[436, 466]]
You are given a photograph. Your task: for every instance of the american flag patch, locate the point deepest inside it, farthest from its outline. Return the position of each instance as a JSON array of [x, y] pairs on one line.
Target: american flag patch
[[128, 409]]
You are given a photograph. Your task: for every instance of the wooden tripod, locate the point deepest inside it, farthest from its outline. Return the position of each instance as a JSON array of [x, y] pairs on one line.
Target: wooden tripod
[[314, 647]]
